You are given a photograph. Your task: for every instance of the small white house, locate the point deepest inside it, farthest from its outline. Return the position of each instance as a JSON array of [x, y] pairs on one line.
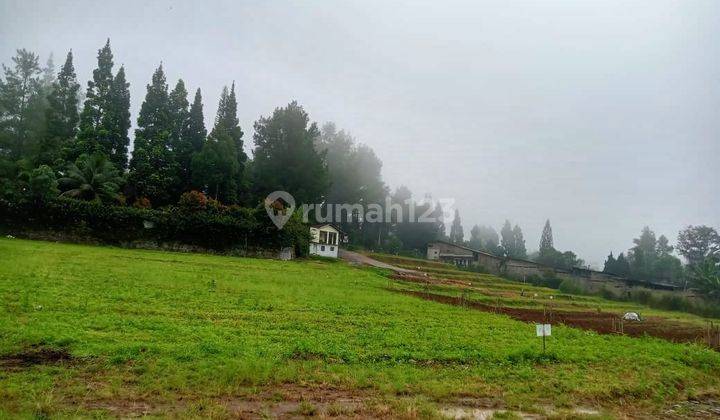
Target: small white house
[[325, 240]]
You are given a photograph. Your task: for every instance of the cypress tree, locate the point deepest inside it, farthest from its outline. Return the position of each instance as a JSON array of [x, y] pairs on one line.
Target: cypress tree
[[227, 123], [218, 167], [95, 119], [179, 141], [195, 136], [546, 240], [61, 115], [622, 265], [196, 126], [507, 239], [20, 104], [119, 120], [153, 170], [457, 235], [438, 214], [610, 264], [519, 250]]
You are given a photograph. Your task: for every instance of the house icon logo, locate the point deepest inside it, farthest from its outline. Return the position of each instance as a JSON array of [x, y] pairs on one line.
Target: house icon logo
[[279, 206]]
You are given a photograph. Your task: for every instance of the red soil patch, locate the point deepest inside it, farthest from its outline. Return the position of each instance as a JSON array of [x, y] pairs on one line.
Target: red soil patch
[[601, 322]]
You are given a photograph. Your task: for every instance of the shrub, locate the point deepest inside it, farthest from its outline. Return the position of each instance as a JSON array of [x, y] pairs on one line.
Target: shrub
[[572, 287], [215, 205], [42, 184], [142, 203], [641, 296], [475, 268], [193, 201], [672, 302], [608, 294], [232, 228], [548, 279]]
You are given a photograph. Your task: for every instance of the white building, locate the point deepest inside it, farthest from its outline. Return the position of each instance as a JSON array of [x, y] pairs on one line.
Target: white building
[[325, 240]]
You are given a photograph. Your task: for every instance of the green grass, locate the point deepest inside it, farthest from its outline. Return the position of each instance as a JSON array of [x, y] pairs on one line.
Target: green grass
[[489, 288], [157, 327]]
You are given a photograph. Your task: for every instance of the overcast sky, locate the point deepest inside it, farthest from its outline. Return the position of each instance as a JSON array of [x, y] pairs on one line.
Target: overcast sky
[[601, 116]]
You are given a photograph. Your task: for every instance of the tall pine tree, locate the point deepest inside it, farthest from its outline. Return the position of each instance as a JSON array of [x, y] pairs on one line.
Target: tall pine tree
[[546, 240], [180, 142], [61, 115], [507, 241], [119, 121], [227, 123], [439, 216], [153, 170], [218, 168], [196, 135], [519, 250], [196, 126], [95, 119], [622, 266], [20, 105], [457, 236], [286, 158], [610, 264]]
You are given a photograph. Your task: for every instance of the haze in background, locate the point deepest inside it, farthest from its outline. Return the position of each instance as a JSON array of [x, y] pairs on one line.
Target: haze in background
[[601, 116]]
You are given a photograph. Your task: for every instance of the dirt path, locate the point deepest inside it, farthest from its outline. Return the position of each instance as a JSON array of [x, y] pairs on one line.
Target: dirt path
[[360, 259]]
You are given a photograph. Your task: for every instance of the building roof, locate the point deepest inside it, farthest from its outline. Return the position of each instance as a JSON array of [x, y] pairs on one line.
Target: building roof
[[332, 225], [645, 283], [466, 248], [477, 251]]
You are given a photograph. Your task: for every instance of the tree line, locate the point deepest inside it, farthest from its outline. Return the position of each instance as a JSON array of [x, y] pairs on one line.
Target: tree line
[[651, 258], [56, 140], [511, 243], [45, 130]]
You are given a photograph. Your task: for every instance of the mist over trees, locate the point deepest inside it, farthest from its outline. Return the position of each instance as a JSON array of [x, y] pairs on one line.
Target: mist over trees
[[485, 238], [548, 255], [55, 144], [651, 258], [355, 174], [285, 157], [512, 241]]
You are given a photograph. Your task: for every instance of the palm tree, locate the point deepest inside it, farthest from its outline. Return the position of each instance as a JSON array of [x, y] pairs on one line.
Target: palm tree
[[91, 178]]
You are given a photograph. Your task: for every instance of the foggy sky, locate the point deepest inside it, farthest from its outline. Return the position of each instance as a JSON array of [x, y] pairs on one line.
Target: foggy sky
[[601, 116]]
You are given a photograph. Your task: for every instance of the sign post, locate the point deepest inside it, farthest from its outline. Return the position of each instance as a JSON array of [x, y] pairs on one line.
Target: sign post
[[543, 330]]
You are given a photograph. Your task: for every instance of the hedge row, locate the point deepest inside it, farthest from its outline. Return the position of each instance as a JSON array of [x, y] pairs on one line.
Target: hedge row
[[230, 228]]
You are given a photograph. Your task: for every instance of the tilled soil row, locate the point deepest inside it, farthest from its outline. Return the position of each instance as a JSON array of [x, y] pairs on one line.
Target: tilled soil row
[[601, 322]]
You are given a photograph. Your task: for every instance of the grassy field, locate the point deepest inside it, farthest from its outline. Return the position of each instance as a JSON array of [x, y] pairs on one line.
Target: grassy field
[[490, 289], [90, 331]]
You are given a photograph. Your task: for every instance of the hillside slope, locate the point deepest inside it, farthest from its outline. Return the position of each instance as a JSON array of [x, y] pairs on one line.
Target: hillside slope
[[125, 332]]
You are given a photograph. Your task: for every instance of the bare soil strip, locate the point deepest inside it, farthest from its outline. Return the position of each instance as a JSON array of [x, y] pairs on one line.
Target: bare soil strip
[[601, 322]]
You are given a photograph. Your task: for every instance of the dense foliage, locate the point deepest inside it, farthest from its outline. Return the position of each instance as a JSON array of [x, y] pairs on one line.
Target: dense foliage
[[649, 259], [52, 145], [214, 227]]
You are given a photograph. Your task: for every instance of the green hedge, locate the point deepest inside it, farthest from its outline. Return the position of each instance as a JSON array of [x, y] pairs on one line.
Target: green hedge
[[218, 229]]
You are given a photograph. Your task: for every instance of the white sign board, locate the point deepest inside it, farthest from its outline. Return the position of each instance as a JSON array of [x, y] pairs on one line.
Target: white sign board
[[542, 330]]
